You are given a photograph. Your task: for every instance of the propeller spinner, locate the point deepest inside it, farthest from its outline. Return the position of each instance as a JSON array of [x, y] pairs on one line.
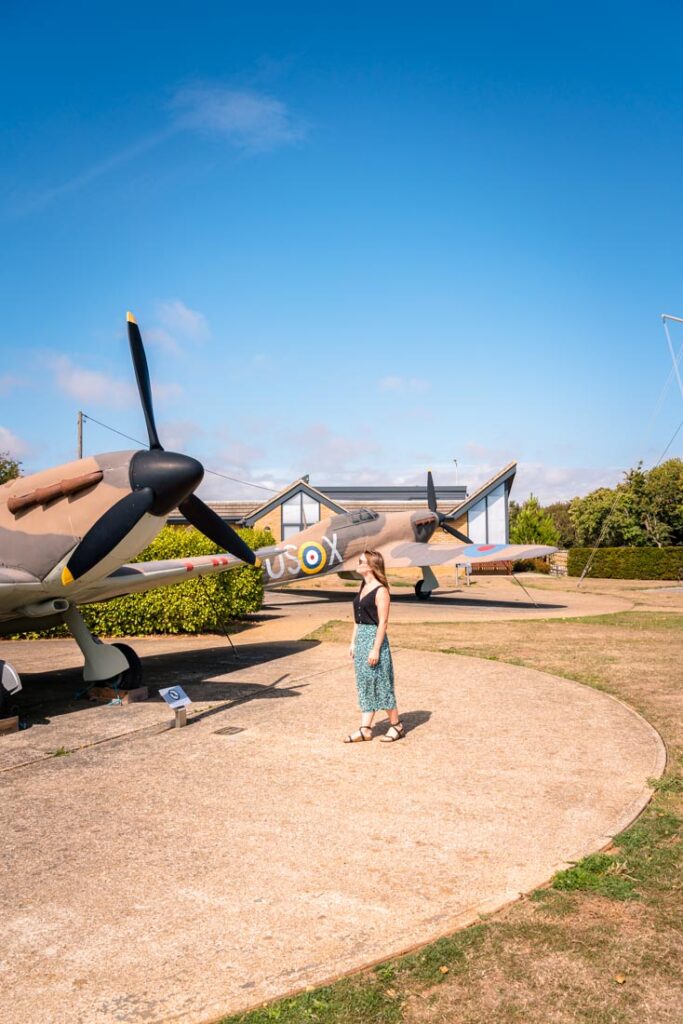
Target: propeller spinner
[[160, 481]]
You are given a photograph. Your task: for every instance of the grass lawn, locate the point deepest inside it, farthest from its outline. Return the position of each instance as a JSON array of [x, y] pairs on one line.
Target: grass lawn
[[603, 943]]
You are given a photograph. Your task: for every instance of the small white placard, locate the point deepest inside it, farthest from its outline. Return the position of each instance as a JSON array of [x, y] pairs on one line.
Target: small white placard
[[175, 696]]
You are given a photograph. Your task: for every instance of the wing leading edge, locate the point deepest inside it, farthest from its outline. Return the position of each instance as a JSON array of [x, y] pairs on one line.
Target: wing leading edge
[[137, 577]]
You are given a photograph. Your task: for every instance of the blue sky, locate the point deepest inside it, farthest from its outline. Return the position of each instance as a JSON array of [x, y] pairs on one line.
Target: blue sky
[[357, 244]]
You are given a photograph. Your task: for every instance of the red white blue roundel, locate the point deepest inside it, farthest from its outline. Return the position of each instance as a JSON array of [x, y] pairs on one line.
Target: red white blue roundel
[[479, 550], [312, 557]]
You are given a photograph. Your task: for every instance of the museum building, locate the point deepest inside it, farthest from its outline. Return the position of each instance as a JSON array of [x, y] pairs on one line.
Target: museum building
[[483, 515]]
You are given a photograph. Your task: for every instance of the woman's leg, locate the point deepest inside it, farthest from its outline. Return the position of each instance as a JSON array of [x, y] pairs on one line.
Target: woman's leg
[[393, 715], [366, 718]]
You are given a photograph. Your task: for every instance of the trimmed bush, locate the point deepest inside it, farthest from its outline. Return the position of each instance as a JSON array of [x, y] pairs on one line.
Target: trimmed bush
[[628, 563], [196, 606], [531, 565]]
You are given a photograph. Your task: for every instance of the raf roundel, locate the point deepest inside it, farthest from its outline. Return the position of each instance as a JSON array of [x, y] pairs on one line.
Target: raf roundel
[[479, 550], [312, 558]]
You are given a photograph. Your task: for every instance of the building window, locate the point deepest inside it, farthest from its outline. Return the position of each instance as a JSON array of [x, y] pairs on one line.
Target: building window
[[298, 513], [476, 522], [487, 519]]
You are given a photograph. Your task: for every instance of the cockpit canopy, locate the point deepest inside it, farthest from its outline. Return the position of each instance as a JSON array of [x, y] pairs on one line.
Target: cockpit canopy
[[355, 518]]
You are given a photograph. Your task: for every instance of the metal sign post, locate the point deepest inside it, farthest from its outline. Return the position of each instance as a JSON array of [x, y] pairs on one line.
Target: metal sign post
[[177, 699]]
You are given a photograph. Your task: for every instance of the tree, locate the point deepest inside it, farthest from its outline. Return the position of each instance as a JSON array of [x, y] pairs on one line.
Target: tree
[[608, 517], [10, 469], [559, 513], [532, 525], [513, 512], [645, 510], [663, 493]]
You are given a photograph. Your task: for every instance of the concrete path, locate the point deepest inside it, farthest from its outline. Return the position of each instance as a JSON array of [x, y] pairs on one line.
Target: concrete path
[[179, 875], [293, 612]]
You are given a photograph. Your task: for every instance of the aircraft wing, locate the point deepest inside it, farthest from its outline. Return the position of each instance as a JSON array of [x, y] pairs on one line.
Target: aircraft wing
[[401, 555], [136, 577]]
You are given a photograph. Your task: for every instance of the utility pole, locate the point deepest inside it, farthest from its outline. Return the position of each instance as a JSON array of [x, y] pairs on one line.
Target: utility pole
[[80, 434], [456, 470]]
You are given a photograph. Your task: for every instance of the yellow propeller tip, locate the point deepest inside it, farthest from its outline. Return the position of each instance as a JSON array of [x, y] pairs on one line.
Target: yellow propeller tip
[[67, 577], [258, 563], [130, 318]]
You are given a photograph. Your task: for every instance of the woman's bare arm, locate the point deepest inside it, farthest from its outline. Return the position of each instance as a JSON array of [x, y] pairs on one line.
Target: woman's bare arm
[[353, 640], [383, 604]]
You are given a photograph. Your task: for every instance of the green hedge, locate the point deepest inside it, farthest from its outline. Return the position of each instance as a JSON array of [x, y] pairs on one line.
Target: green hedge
[[196, 606], [628, 563]]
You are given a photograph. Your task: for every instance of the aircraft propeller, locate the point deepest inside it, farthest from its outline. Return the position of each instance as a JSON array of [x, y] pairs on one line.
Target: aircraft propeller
[[160, 481], [444, 520]]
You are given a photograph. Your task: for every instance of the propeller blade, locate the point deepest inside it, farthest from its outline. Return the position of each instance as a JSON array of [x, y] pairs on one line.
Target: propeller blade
[[456, 533], [137, 351], [213, 527], [109, 530], [431, 492]]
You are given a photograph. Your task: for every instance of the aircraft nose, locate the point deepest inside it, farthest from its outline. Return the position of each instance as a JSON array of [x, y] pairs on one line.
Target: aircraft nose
[[171, 476]]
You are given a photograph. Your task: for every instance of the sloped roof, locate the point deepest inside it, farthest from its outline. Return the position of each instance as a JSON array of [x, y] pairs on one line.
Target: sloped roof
[[288, 492], [247, 513], [503, 475]]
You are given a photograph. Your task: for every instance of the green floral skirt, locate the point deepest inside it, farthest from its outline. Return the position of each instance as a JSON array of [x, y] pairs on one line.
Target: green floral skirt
[[375, 685]]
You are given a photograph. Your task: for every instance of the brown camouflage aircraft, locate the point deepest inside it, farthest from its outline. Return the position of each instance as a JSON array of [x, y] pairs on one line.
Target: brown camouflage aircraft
[[67, 535]]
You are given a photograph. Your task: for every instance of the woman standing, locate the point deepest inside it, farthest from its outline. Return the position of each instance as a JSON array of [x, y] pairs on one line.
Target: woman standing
[[370, 651]]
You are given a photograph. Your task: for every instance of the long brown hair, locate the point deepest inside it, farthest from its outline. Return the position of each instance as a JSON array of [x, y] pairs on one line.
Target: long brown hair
[[376, 563]]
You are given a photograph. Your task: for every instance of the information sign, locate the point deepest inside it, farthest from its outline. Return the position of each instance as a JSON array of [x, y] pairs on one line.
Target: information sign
[[175, 696]]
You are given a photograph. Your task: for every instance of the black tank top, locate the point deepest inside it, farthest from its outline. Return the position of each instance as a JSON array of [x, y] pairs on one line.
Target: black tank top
[[365, 608]]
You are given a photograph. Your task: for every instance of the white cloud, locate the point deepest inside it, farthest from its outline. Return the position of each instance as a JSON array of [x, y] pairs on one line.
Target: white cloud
[[90, 385], [249, 120], [561, 483], [14, 446], [240, 455], [240, 486], [167, 392], [179, 435], [490, 456], [178, 325], [161, 338], [404, 385], [319, 451], [179, 319]]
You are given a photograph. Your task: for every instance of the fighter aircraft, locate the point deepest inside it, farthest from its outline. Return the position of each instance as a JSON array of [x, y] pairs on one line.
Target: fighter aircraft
[[67, 535], [404, 539]]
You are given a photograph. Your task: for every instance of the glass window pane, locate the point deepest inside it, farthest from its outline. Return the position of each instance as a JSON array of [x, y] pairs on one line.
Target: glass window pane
[[476, 522], [311, 511], [289, 531], [496, 515], [291, 512]]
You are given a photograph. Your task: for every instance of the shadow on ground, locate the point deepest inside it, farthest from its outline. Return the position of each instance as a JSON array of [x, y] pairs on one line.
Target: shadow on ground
[[443, 599], [201, 671]]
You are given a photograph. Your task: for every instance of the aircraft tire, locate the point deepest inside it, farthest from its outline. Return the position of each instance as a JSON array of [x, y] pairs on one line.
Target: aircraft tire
[[7, 706], [420, 594], [132, 677]]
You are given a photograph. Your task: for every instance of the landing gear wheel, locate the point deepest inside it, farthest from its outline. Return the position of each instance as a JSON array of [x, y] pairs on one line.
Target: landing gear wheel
[[420, 594], [10, 685], [132, 677]]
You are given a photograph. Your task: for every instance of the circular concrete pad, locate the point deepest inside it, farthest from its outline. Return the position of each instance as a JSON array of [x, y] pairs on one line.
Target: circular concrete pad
[[185, 874]]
